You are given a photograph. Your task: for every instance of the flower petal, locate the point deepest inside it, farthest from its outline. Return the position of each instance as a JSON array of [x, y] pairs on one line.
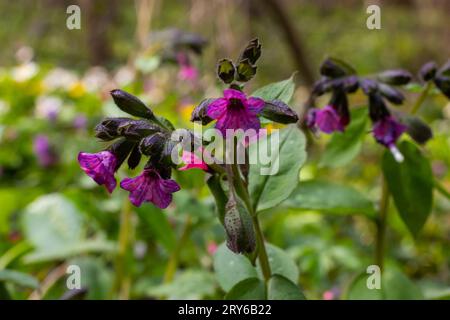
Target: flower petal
[[234, 94], [255, 105], [217, 108]]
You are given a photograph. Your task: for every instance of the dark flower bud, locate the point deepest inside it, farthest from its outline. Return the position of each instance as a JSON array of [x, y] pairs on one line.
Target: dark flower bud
[[335, 68], [418, 130], [134, 158], [428, 71], [166, 123], [350, 84], [390, 93], [445, 69], [320, 87], [107, 129], [131, 105], [245, 71], [377, 108], [199, 113], [278, 111], [368, 86], [153, 145], [239, 227], [137, 129], [396, 77], [339, 102], [121, 149], [226, 70], [443, 83], [252, 52]]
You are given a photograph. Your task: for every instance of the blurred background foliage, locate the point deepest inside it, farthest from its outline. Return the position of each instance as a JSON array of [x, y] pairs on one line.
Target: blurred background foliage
[[54, 88]]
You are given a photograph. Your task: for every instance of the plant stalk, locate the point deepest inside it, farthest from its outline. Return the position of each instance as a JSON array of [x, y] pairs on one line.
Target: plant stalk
[[381, 225]]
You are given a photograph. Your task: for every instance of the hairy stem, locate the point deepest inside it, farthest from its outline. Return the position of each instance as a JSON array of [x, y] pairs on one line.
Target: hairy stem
[[381, 225], [421, 98]]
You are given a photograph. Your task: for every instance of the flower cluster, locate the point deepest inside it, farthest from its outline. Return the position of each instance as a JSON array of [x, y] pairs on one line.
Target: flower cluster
[[340, 79], [132, 139]]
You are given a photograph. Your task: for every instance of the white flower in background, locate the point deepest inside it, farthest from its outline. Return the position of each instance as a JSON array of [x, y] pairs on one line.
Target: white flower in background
[[95, 79], [124, 76], [48, 107], [60, 78], [24, 71]]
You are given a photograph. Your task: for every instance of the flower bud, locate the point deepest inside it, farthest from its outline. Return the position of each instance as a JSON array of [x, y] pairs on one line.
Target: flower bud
[[199, 113], [153, 145], [134, 158], [443, 83], [428, 71], [252, 52], [278, 111], [395, 77], [418, 130], [245, 71], [131, 105], [368, 86], [239, 227], [226, 70], [390, 93], [377, 108], [137, 129], [335, 68], [121, 149], [107, 129]]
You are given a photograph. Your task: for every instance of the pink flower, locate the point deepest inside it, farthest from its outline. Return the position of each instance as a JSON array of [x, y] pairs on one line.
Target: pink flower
[[192, 161], [150, 187], [100, 167], [212, 248], [235, 111], [188, 73], [326, 119]]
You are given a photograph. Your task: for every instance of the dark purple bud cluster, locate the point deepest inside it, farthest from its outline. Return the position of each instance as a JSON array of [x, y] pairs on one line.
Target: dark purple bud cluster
[[132, 139], [339, 79]]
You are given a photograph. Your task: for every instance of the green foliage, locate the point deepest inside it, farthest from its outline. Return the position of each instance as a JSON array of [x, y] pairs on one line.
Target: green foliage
[[270, 185], [411, 185], [281, 288], [282, 90], [247, 289]]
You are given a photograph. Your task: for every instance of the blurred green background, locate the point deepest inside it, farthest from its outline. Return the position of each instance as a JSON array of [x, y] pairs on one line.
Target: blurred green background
[[54, 86]]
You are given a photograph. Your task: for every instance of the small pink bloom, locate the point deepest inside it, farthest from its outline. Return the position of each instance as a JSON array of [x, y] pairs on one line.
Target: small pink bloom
[[192, 161], [188, 73], [212, 248]]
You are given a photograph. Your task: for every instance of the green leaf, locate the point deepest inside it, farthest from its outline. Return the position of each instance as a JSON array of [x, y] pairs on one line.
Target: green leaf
[[330, 197], [248, 289], [231, 268], [52, 222], [19, 278], [282, 174], [70, 250], [281, 263], [282, 90], [344, 147], [411, 185], [394, 286], [281, 288]]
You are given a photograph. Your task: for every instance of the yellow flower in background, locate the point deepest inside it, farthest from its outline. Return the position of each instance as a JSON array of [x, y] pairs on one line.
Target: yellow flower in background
[[271, 126], [186, 111], [77, 90]]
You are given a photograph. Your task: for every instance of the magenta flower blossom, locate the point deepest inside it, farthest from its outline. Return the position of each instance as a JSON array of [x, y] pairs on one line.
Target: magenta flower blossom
[[386, 131], [192, 161], [188, 73], [326, 119], [100, 167], [235, 111], [150, 187], [43, 151]]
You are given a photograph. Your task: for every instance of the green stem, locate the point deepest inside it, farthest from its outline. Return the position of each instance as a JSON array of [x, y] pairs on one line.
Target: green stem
[[13, 253], [381, 225], [421, 98], [441, 189], [172, 265], [122, 281]]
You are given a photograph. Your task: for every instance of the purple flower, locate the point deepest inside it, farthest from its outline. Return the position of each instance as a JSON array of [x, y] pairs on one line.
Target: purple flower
[[80, 122], [43, 151], [235, 111], [386, 131], [150, 187], [326, 119], [100, 167]]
